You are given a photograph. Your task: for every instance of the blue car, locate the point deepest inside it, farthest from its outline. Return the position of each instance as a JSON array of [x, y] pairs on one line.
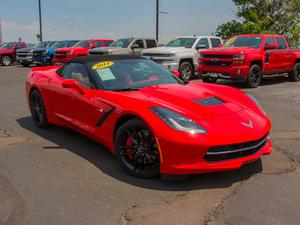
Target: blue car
[[42, 53]]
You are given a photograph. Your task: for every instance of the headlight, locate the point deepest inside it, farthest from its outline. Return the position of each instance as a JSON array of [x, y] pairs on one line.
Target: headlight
[[177, 121], [238, 56], [257, 103], [45, 52]]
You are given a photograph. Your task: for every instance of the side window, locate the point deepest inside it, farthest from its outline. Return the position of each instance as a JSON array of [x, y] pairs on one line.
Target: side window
[[151, 43], [97, 44], [215, 42], [107, 43], [202, 44], [269, 40], [140, 43], [281, 43], [71, 43], [77, 72]]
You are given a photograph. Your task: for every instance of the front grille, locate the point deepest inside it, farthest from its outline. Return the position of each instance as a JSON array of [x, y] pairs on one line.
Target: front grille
[[217, 56], [217, 63], [210, 101], [227, 152], [60, 55], [24, 54]]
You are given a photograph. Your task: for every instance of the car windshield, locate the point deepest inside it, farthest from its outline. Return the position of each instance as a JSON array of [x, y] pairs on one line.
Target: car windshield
[[59, 44], [123, 43], [253, 42], [131, 74], [7, 45], [40, 45], [83, 44], [182, 42]]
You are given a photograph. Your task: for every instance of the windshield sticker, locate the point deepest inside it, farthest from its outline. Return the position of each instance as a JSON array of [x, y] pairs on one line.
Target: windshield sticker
[[102, 65], [231, 40], [105, 74]]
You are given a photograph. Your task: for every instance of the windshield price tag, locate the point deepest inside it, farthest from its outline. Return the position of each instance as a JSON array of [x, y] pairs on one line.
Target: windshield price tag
[[102, 65]]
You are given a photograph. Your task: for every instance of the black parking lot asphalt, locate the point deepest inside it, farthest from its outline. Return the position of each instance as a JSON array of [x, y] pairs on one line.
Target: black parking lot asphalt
[[56, 176]]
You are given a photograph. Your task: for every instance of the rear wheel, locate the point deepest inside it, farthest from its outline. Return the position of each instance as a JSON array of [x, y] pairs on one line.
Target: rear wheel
[[136, 149], [254, 76], [186, 71], [6, 60], [294, 75], [38, 109], [209, 79]]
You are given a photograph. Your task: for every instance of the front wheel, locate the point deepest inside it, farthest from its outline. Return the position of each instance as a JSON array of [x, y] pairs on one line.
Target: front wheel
[[254, 76], [294, 75], [186, 71], [136, 149], [38, 109], [6, 60]]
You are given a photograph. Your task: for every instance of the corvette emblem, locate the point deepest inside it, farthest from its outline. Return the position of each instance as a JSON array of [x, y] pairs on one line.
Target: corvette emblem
[[214, 60], [250, 124]]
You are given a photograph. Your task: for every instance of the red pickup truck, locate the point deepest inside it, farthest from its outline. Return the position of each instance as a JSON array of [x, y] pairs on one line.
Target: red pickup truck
[[8, 52], [63, 55], [249, 57]]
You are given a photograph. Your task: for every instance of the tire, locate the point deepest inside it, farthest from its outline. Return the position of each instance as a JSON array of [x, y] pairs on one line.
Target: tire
[[186, 71], [25, 64], [136, 149], [6, 60], [212, 80], [294, 75], [254, 76], [38, 110]]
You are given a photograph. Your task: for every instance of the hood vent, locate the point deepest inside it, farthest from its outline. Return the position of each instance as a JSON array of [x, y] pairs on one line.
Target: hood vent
[[210, 101]]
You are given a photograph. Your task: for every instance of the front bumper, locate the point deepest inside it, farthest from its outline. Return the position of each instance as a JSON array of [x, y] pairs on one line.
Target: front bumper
[[62, 60], [193, 162], [230, 72], [27, 59], [40, 59]]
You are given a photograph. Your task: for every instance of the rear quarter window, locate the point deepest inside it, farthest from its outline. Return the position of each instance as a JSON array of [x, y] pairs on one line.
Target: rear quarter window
[[281, 43], [151, 43], [215, 42]]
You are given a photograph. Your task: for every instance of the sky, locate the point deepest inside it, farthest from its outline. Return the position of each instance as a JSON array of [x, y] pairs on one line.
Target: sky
[[84, 19]]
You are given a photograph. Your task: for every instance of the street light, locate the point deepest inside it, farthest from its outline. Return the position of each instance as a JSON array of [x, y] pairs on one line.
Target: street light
[[40, 35], [157, 19]]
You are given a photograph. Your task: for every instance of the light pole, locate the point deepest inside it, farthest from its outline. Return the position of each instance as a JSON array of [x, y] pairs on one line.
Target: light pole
[[157, 19], [40, 35]]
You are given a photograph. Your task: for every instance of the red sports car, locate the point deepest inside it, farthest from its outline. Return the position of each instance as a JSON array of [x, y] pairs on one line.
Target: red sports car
[[152, 121]]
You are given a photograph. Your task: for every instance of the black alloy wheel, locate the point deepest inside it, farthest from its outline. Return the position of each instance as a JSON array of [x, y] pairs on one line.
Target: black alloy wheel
[[294, 75], [38, 110], [254, 77], [137, 150]]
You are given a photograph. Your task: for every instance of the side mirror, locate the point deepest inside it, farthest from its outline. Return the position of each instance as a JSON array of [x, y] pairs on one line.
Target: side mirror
[[202, 46], [270, 46], [73, 84], [133, 46]]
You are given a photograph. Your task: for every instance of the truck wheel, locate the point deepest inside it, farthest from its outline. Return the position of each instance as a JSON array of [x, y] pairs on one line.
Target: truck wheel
[[209, 79], [6, 60], [254, 76], [186, 71], [294, 75]]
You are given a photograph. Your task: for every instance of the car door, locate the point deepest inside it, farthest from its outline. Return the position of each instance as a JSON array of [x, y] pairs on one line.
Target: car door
[[271, 57], [285, 55], [83, 110]]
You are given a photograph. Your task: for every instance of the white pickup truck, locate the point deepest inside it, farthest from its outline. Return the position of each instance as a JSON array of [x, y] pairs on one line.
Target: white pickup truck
[[182, 54]]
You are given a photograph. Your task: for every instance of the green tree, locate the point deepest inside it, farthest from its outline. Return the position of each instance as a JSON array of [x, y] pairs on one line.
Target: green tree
[[265, 16]]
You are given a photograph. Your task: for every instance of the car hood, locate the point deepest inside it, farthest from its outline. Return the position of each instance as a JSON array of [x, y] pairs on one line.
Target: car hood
[[4, 51], [230, 50], [167, 50], [191, 99], [109, 49], [69, 49]]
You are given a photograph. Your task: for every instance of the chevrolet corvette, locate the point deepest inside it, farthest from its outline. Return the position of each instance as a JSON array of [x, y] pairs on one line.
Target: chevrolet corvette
[[150, 120]]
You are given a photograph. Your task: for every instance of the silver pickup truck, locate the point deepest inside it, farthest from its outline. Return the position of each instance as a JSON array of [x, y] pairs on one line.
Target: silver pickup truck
[[182, 53], [126, 46]]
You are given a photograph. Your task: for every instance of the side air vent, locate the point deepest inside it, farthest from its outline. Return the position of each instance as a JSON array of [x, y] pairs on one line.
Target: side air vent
[[210, 101]]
